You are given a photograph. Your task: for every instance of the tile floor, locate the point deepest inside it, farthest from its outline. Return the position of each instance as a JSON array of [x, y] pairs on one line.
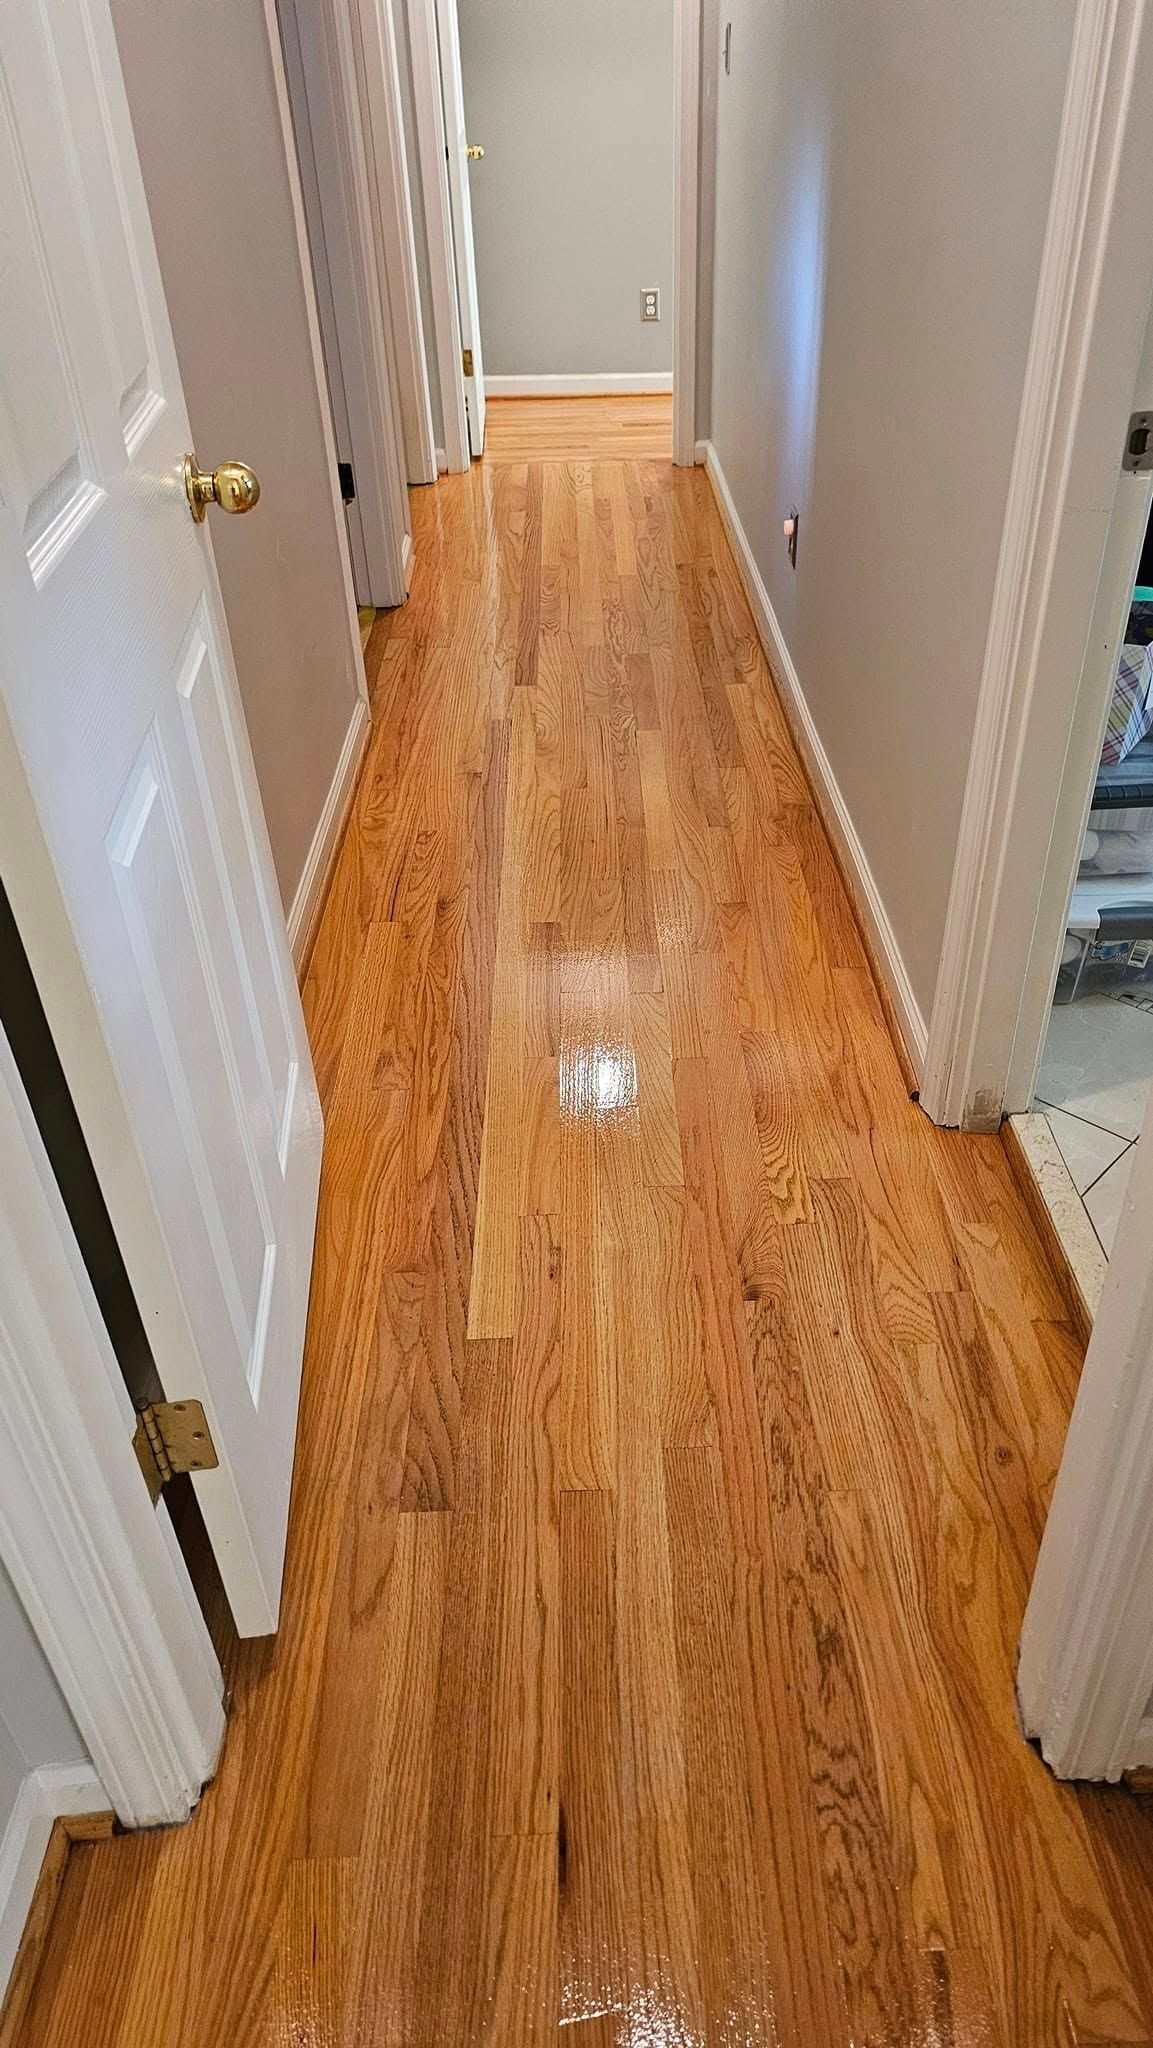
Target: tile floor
[[1094, 1084]]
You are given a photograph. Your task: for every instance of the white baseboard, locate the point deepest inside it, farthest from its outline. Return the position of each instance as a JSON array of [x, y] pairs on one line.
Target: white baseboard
[[46, 1795], [701, 452], [834, 810], [321, 854], [441, 462], [580, 386]]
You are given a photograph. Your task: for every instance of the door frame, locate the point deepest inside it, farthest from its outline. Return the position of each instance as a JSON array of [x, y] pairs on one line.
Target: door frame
[[315, 339], [396, 232], [1085, 1678], [1046, 681], [458, 169], [97, 1568], [687, 32], [42, 919], [328, 68], [445, 367]]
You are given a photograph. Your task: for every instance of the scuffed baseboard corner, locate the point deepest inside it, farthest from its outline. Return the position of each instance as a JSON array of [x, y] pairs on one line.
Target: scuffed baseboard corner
[[54, 1793]]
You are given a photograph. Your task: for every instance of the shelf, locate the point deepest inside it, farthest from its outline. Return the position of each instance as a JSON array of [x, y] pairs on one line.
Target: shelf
[[1128, 786], [1095, 893]]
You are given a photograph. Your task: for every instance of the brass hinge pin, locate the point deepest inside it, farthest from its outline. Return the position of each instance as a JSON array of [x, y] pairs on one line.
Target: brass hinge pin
[[171, 1437]]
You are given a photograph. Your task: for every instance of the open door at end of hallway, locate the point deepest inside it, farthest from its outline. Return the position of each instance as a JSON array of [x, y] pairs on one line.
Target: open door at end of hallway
[[460, 155], [132, 840]]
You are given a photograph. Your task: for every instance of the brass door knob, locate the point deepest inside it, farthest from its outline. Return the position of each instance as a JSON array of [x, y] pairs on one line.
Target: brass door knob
[[474, 151], [234, 487]]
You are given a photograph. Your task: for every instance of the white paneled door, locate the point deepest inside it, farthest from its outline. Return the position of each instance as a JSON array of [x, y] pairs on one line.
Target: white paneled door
[[123, 729]]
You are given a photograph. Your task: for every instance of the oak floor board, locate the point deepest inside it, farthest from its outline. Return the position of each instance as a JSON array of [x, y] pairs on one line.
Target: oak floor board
[[593, 1902], [872, 1942], [831, 907], [662, 1940], [333, 1791], [739, 1964], [492, 1304], [680, 1409], [807, 1990], [601, 430], [385, 1920], [310, 1978]]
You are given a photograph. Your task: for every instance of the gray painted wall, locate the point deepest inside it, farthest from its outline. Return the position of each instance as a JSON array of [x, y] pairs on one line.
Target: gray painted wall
[[35, 1725], [882, 183], [573, 205]]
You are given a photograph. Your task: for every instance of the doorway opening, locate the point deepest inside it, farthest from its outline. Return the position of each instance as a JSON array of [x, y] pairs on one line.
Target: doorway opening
[[1081, 1080], [559, 176], [341, 238], [24, 1024], [1096, 1071]]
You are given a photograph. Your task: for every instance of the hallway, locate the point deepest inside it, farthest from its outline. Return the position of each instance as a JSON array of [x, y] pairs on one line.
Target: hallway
[[680, 1408]]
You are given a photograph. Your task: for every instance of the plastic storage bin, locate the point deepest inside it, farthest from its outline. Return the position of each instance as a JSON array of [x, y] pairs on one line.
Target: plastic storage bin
[[1113, 955]]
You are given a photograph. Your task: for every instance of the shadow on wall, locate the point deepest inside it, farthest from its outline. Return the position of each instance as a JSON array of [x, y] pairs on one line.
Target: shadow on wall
[[797, 282]]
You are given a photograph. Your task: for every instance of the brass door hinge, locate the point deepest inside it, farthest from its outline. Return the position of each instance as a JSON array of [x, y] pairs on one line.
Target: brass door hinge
[[466, 359], [172, 1437]]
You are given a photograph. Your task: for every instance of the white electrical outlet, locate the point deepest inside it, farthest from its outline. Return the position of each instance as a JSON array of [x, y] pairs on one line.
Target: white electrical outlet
[[650, 302]]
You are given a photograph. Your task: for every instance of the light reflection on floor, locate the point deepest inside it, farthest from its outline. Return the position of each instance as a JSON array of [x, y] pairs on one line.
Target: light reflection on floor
[[597, 1081]]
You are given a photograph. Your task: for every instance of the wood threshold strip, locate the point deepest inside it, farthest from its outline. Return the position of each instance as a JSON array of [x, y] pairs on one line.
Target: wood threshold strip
[[1079, 1280]]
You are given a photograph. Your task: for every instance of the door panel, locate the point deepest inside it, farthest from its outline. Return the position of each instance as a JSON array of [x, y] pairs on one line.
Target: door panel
[[118, 685], [452, 82]]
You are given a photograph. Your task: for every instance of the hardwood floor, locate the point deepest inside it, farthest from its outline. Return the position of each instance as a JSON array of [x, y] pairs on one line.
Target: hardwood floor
[[628, 428], [680, 1408]]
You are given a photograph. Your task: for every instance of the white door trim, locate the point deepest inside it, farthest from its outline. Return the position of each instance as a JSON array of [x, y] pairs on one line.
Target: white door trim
[[384, 125], [1085, 1679], [459, 170], [46, 933], [315, 342], [385, 512], [446, 365], [96, 1566], [329, 66], [1088, 329], [428, 106], [686, 205]]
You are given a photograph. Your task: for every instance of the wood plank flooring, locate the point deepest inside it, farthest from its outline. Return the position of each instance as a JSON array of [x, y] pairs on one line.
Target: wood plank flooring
[[629, 428], [680, 1408]]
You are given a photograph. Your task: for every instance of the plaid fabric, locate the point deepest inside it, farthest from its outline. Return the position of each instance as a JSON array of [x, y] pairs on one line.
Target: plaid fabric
[[1131, 712]]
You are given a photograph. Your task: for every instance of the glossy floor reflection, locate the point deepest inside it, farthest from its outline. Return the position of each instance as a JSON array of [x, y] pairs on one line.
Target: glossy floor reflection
[[680, 1408]]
